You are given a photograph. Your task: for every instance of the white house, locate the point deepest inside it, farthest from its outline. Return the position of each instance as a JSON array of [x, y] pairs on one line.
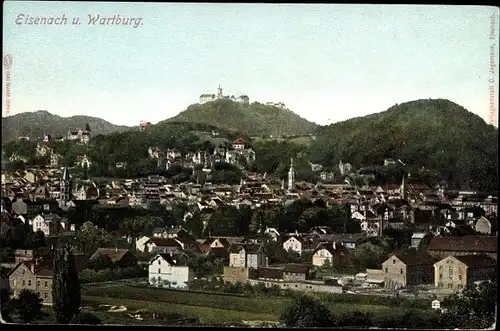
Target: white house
[[247, 256], [166, 271], [483, 225], [51, 224], [141, 243], [294, 244]]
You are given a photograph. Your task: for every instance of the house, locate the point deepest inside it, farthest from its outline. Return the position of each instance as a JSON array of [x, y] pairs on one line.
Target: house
[[442, 247], [161, 245], [239, 144], [51, 224], [140, 243], [420, 240], [247, 256], [331, 252], [483, 226], [36, 275], [408, 269], [321, 230], [166, 270], [296, 272], [349, 241], [295, 244], [457, 272], [120, 257]]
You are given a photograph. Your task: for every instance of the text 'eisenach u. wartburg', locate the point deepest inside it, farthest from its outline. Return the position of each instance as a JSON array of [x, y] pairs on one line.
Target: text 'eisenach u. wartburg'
[[97, 20]]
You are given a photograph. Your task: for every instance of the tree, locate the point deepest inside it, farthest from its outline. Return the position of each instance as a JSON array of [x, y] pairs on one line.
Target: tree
[[475, 307], [354, 318], [369, 256], [85, 317], [306, 311], [6, 303], [91, 236], [66, 296], [38, 239], [28, 306]]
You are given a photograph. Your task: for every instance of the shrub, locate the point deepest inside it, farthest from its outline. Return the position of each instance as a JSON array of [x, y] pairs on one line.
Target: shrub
[[85, 317]]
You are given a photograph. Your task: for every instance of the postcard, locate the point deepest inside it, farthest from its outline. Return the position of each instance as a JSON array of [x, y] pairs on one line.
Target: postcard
[[235, 165]]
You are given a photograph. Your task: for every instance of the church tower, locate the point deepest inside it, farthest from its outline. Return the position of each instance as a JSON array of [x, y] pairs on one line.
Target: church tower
[[65, 188], [219, 92], [291, 176], [404, 187]]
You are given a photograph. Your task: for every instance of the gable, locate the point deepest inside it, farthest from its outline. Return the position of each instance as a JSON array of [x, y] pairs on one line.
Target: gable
[[322, 251], [163, 261], [18, 270], [390, 260]]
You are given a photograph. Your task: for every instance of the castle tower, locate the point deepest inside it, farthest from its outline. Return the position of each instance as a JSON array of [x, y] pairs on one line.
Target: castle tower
[[291, 176], [65, 188], [219, 92]]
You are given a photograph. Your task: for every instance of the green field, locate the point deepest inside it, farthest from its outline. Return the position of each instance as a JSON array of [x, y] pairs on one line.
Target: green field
[[210, 308]]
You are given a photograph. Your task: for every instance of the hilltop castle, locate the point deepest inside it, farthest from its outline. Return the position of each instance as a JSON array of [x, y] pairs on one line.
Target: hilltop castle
[[204, 98]]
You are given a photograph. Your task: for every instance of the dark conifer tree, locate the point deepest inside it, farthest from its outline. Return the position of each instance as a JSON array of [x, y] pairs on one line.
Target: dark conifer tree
[[66, 296]]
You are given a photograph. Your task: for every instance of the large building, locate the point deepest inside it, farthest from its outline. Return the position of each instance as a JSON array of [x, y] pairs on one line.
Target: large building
[[204, 98]]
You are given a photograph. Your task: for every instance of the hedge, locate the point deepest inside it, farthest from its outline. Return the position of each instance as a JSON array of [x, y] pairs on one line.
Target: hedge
[[92, 276]]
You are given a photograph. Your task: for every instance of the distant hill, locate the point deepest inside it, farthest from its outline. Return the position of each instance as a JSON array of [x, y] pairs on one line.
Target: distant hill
[[437, 134], [255, 119], [35, 124]]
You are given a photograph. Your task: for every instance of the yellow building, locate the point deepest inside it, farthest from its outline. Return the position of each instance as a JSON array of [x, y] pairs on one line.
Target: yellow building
[[456, 272]]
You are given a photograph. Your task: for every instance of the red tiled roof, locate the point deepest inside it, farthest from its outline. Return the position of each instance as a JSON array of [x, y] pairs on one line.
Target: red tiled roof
[[239, 141], [464, 244]]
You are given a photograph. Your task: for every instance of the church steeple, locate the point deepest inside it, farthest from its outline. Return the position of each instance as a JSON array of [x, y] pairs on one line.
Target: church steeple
[[291, 176], [65, 188]]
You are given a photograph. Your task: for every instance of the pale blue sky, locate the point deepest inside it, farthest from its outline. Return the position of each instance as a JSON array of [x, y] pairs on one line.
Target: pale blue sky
[[327, 63]]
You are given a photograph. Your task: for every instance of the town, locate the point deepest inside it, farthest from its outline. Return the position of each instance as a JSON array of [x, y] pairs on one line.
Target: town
[[405, 241]]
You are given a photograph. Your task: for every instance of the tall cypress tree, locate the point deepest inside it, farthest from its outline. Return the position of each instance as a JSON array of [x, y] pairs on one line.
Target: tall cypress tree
[[66, 297]]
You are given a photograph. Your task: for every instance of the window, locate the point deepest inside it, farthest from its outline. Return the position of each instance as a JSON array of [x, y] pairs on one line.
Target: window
[[159, 270], [159, 262], [440, 268], [401, 271], [29, 282], [46, 284], [24, 272], [24, 282], [459, 277], [385, 269], [45, 295], [440, 276], [450, 285], [37, 283], [393, 261]]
